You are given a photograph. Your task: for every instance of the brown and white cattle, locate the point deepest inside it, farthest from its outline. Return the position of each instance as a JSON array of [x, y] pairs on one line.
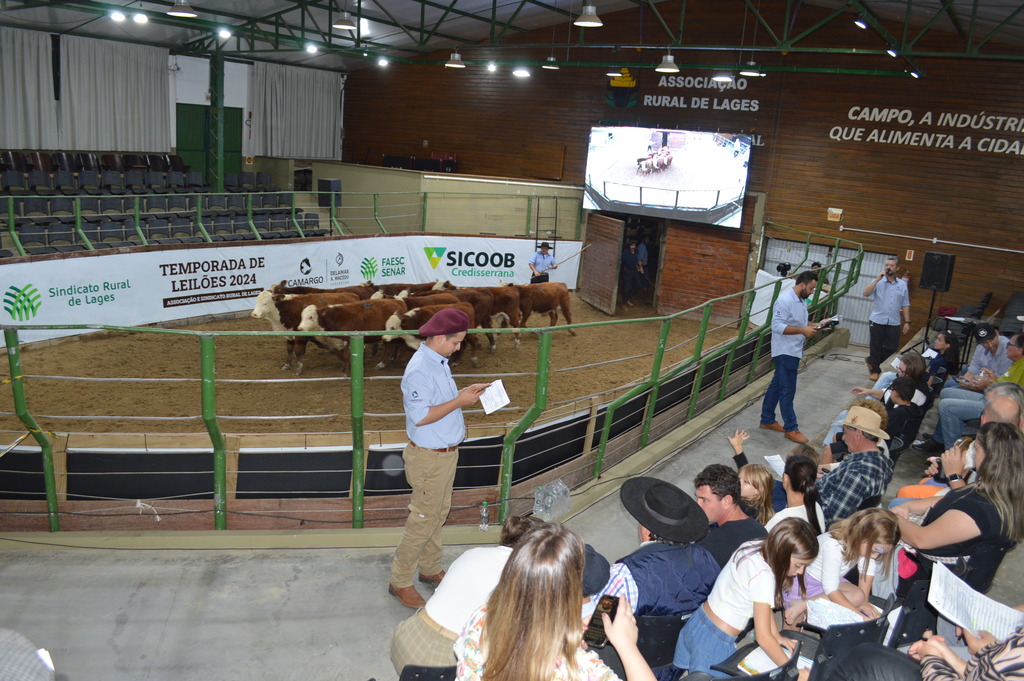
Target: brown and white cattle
[[547, 297], [417, 317], [283, 313], [366, 315], [363, 291]]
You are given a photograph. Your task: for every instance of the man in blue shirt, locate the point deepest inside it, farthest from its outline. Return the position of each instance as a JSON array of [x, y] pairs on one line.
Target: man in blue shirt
[[434, 424], [890, 314], [789, 332], [540, 263]]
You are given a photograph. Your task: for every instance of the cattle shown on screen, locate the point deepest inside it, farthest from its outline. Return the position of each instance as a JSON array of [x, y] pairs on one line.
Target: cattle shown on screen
[[678, 174]]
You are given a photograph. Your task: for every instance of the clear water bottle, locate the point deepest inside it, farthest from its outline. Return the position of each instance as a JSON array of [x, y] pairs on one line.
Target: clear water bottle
[[485, 518], [538, 503], [549, 508]]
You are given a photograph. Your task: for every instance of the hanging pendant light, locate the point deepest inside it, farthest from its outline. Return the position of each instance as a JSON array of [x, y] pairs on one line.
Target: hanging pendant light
[[455, 62], [588, 18], [182, 9], [667, 65]]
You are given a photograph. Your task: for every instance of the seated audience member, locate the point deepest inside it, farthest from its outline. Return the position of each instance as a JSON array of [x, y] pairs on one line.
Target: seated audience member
[[990, 361], [912, 365], [958, 406], [946, 361], [779, 499], [835, 448], [426, 638], [718, 494], [669, 574], [932, 659], [958, 467], [904, 413], [863, 473], [988, 514], [529, 630], [756, 486], [800, 482]]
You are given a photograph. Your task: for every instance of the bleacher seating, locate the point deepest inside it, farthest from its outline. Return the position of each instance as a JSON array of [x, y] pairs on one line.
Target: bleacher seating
[[124, 200]]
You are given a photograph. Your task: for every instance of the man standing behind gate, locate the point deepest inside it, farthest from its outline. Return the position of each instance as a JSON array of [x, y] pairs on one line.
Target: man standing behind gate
[[789, 331], [434, 424], [540, 263], [890, 314]]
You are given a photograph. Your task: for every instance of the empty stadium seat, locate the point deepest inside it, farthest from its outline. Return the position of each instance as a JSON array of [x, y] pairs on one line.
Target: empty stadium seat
[[63, 161], [87, 161], [14, 160], [112, 162], [157, 163], [39, 160]]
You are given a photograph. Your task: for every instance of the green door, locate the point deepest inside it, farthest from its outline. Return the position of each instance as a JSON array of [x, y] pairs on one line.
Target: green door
[[193, 137]]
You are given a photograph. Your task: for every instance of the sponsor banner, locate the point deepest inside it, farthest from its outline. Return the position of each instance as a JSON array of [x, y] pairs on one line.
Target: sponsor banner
[[132, 289]]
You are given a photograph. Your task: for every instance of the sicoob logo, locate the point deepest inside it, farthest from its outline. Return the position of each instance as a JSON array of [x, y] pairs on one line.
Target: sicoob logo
[[22, 303], [434, 255]]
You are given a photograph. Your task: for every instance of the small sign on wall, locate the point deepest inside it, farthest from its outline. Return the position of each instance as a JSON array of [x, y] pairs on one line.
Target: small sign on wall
[[910, 256], [835, 214], [248, 160]]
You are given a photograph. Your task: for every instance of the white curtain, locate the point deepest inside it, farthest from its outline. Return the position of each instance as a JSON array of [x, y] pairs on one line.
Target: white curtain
[[28, 110], [114, 96], [296, 112]]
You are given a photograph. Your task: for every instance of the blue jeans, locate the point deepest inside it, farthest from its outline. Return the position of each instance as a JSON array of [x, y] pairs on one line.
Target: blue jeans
[[701, 644], [954, 412], [781, 392]]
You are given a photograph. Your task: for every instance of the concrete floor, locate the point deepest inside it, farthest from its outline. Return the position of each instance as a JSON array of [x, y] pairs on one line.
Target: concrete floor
[[109, 613]]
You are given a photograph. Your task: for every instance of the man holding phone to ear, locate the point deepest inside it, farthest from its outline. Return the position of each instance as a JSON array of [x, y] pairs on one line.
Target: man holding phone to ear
[[434, 424]]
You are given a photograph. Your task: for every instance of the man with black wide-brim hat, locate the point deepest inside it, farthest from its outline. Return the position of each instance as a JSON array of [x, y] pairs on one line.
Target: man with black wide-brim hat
[[540, 263], [668, 574]]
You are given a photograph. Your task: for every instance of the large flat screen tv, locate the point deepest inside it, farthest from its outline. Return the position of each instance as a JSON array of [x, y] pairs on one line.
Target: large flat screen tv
[[676, 174]]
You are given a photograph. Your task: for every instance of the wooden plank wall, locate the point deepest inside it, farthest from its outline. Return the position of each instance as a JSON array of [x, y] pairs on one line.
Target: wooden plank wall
[[911, 190]]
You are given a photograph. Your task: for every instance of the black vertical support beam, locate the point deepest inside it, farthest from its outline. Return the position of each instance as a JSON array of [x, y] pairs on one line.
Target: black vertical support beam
[[217, 121]]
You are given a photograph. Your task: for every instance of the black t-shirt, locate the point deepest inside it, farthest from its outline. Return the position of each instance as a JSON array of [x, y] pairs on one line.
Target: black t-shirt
[[723, 540]]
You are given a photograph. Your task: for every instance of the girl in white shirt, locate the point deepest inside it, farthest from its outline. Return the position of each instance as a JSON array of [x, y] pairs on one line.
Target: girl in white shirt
[[751, 584], [799, 480], [864, 541]]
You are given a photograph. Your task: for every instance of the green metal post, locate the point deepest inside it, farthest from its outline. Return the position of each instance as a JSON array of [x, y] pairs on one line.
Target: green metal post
[[199, 215], [208, 373], [295, 222], [376, 217], [744, 321], [699, 348], [659, 356], [21, 410], [356, 346], [76, 202], [138, 220], [423, 226], [334, 216], [540, 403], [216, 156], [529, 216]]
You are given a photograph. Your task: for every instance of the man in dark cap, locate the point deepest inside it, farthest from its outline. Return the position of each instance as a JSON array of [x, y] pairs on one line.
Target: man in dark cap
[[434, 424], [668, 574], [540, 263]]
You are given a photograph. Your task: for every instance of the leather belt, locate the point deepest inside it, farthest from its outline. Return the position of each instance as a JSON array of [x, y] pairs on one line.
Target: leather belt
[[431, 449], [447, 633]]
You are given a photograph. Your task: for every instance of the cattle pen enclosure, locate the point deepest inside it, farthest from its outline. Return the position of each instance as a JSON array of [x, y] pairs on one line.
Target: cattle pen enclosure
[[199, 428]]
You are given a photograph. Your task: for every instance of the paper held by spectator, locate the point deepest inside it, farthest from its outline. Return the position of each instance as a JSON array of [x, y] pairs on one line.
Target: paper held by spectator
[[758, 662], [494, 398], [967, 608], [776, 463]]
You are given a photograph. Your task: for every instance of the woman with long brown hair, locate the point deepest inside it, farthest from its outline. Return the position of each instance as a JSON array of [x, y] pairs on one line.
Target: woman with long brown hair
[[530, 629]]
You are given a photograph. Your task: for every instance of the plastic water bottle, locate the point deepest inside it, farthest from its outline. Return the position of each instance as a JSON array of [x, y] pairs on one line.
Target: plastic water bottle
[[485, 519], [538, 502], [549, 508]]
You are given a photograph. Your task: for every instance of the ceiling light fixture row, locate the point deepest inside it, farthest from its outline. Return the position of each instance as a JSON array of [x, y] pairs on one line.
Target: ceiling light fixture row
[[119, 16]]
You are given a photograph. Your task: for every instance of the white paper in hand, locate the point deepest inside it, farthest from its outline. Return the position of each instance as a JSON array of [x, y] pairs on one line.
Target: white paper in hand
[[494, 398]]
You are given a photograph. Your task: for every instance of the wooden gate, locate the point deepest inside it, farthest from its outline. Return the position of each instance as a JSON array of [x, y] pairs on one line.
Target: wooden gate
[[599, 271]]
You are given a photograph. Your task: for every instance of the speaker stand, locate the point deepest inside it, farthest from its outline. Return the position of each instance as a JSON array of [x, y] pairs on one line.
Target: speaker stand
[[924, 343]]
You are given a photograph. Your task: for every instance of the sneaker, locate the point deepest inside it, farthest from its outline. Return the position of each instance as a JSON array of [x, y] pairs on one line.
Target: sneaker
[[929, 445]]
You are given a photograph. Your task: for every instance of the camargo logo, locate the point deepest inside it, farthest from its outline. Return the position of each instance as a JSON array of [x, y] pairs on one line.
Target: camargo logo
[[22, 303], [434, 255]]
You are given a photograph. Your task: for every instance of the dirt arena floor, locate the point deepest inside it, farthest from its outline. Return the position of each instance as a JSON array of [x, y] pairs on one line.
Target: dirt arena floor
[[249, 358]]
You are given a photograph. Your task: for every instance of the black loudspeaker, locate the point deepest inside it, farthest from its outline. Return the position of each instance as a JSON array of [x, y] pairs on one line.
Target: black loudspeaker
[[937, 271], [326, 187]]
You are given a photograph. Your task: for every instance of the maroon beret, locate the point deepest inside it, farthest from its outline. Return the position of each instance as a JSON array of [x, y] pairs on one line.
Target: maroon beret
[[447, 321]]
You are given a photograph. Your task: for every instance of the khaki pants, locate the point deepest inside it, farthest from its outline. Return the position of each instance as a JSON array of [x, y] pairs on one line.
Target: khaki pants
[[431, 475]]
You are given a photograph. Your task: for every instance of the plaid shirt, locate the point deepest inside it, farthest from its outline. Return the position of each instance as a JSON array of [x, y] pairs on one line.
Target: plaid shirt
[[620, 582], [861, 475]]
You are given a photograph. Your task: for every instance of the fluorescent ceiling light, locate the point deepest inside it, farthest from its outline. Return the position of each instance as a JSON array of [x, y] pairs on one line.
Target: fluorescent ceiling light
[[551, 64], [667, 65], [614, 73], [891, 51], [722, 77], [588, 18], [224, 33], [139, 18], [117, 16], [311, 48], [345, 22], [455, 62], [521, 72], [859, 22], [751, 70], [182, 9]]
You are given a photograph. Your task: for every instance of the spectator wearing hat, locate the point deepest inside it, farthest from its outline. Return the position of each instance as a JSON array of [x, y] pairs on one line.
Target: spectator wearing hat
[[991, 360], [540, 263], [864, 473], [890, 314], [434, 424], [669, 574]]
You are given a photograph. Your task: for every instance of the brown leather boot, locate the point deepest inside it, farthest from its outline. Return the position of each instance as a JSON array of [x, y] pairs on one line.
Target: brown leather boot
[[407, 596], [433, 580]]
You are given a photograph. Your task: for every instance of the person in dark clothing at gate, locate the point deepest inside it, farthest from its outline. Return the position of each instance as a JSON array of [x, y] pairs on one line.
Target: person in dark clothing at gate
[[632, 274]]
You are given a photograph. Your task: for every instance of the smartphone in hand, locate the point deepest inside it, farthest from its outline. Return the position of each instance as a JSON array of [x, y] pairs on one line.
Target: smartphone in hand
[[595, 635]]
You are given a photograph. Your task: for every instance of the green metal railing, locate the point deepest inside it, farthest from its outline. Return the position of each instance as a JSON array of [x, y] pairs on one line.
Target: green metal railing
[[354, 213], [820, 303]]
